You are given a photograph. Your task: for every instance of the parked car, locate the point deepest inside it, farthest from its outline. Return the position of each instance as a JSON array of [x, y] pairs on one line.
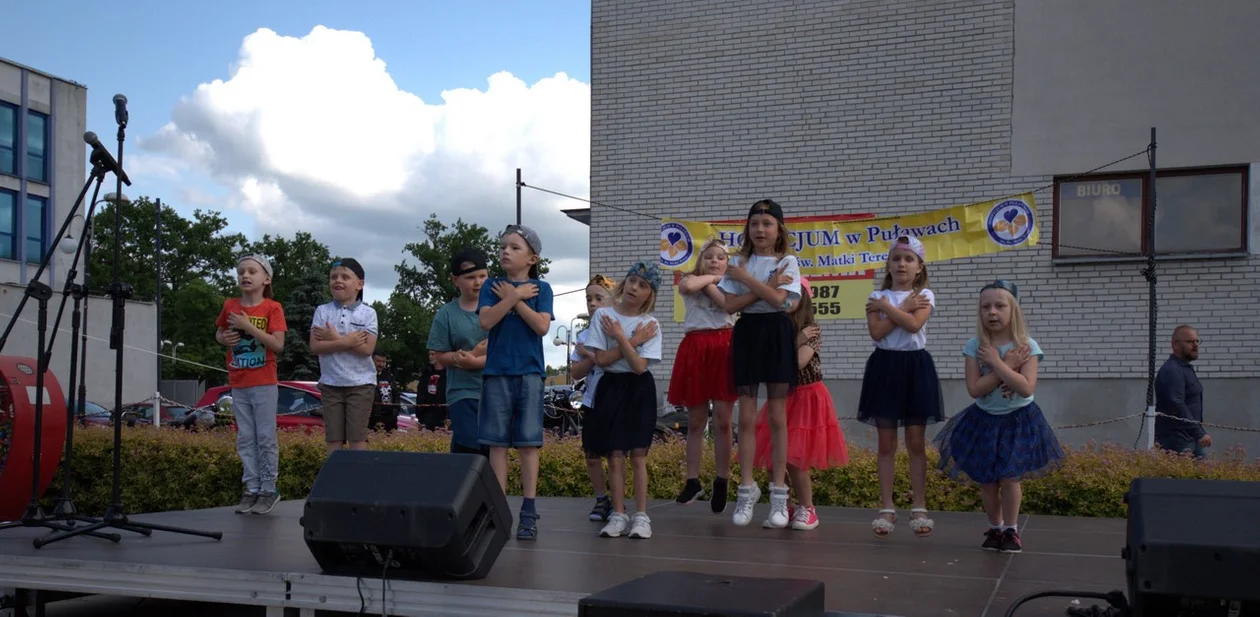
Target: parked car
[[298, 406]]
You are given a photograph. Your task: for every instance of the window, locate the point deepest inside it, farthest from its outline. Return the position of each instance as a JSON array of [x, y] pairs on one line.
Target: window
[[36, 146], [36, 229], [1197, 211], [8, 138], [8, 221]]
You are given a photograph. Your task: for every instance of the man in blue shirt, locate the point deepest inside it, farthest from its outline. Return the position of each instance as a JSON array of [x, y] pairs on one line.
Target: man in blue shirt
[[1179, 394]]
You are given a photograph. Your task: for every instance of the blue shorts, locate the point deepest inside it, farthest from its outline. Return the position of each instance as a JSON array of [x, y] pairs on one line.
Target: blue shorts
[[463, 414], [511, 413]]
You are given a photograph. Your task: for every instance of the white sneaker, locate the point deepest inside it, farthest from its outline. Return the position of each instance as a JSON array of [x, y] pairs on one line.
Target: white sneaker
[[778, 518], [746, 498], [640, 526], [617, 524]]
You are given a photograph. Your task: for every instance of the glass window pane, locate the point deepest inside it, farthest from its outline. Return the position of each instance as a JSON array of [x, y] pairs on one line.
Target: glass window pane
[[1202, 212], [8, 203], [34, 223], [8, 139], [1100, 218], [36, 146]]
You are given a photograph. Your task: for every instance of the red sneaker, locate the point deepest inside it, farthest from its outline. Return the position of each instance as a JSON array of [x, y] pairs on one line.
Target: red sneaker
[[804, 519]]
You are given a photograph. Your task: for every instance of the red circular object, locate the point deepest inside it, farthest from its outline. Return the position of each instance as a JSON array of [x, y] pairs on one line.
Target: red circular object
[[17, 433]]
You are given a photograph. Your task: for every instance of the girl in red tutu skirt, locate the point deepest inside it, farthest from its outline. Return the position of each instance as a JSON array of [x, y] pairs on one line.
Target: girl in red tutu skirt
[[815, 440], [702, 372]]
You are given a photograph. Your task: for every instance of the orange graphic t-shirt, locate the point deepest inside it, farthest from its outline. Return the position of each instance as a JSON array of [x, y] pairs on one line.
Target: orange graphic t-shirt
[[249, 363]]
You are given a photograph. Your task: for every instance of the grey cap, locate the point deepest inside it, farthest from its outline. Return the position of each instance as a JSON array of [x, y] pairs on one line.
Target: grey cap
[[531, 237], [258, 259]]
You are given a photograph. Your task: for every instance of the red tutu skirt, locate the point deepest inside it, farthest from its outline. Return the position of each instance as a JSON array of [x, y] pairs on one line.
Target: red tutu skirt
[[814, 438], [702, 369]]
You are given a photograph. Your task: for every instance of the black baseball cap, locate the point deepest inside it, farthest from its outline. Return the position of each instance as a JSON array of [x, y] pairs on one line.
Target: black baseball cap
[[352, 265], [467, 255]]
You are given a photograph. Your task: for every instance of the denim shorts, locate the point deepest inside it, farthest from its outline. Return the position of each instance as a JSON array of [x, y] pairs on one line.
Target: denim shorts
[[511, 411]]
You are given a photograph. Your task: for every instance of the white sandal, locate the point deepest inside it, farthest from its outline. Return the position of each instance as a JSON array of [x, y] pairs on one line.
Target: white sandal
[[882, 526], [922, 526]]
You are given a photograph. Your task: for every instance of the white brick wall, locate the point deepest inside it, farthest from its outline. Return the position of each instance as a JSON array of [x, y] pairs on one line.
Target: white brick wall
[[700, 108]]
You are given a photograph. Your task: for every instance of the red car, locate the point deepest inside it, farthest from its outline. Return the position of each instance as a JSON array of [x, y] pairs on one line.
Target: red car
[[297, 406]]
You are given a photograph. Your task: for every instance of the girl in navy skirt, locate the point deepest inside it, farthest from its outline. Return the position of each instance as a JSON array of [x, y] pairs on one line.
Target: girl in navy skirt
[[1003, 436], [762, 282], [625, 403], [900, 387], [702, 372]]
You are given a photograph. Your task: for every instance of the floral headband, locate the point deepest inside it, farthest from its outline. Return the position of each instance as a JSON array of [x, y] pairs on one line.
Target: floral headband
[[602, 281], [649, 272]]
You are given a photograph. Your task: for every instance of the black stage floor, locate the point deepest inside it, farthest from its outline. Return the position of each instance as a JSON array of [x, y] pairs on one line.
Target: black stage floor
[[946, 574]]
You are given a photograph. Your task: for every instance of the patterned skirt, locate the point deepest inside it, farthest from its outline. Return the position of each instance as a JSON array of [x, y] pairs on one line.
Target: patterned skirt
[[990, 447]]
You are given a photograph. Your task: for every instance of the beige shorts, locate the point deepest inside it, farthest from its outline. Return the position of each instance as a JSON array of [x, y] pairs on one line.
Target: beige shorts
[[346, 411]]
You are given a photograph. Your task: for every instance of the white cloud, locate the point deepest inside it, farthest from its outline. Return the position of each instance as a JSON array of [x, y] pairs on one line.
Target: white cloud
[[312, 134]]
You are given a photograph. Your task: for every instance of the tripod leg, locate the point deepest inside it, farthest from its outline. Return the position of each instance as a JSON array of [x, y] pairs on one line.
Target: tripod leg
[[91, 530]]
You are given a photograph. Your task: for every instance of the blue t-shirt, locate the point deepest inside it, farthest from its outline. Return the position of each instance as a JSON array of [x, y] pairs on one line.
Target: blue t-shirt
[[455, 329], [998, 402], [514, 348]]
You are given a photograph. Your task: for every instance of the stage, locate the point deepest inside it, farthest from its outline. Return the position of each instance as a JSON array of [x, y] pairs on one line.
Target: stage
[[262, 561]]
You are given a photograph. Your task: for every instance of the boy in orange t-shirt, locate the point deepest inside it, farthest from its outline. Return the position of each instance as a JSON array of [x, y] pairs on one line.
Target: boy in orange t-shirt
[[253, 329]]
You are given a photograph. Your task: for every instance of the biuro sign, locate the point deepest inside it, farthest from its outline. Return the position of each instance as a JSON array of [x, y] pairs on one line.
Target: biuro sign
[[835, 245], [836, 295]]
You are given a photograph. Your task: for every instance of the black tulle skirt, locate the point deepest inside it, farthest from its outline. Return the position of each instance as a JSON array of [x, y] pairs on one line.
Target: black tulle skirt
[[901, 388], [987, 448], [764, 349]]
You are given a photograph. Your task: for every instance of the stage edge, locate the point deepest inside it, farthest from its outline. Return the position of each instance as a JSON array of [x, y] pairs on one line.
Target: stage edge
[[340, 593]]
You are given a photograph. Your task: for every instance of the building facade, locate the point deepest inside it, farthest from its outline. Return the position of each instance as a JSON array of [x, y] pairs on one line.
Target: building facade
[[868, 106], [43, 165]]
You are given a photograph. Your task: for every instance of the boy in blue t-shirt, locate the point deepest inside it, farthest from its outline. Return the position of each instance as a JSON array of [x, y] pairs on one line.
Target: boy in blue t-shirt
[[457, 342], [517, 311]]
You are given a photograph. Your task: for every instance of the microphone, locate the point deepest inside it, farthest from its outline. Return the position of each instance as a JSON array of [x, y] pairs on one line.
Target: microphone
[[120, 109], [99, 152]]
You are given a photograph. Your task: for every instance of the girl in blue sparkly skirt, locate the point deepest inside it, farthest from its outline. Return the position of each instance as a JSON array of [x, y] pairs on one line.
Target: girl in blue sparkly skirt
[[1002, 437]]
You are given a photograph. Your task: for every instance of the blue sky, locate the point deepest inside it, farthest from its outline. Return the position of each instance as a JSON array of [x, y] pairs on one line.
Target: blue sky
[[453, 157]]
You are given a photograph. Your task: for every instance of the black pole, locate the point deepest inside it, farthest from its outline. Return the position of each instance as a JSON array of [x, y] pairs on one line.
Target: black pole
[[518, 195], [1152, 303], [157, 297]]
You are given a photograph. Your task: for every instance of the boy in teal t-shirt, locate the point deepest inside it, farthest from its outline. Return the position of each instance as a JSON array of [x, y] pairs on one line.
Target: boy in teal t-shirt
[[457, 342]]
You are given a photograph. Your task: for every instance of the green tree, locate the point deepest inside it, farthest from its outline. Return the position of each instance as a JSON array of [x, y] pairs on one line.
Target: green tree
[[428, 281], [188, 317], [291, 259], [311, 290], [404, 328]]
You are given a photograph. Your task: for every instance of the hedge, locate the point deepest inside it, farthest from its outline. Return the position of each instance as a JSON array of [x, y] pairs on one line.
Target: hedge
[[171, 469]]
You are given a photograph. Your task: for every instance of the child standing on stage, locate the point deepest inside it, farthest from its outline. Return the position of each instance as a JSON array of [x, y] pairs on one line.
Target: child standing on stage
[[1003, 436], [598, 295], [763, 350], [814, 437], [252, 327], [343, 335], [457, 342], [900, 387], [702, 371], [517, 311], [625, 404]]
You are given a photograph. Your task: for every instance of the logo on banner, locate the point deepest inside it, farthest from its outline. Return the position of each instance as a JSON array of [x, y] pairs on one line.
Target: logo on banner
[[1010, 222], [676, 245]]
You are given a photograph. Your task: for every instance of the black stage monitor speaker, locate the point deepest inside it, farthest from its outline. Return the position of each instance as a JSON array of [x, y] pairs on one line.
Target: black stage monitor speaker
[[1193, 547], [683, 594], [433, 515]]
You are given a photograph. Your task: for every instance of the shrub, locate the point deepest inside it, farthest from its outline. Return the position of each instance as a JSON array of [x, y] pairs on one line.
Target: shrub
[[165, 469]]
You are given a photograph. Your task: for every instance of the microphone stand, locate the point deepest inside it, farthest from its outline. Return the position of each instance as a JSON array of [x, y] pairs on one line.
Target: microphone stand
[[116, 514], [42, 293]]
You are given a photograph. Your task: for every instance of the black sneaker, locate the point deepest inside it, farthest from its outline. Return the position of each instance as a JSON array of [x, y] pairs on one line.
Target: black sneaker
[[718, 502], [248, 500], [691, 492], [1010, 541], [266, 501], [603, 508], [992, 539]]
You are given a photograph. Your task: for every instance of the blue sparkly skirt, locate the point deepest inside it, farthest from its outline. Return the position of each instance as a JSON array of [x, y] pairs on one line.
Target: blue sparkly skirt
[[988, 448]]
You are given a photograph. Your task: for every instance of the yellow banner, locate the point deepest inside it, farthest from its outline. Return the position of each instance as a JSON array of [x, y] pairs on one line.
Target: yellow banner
[[830, 245]]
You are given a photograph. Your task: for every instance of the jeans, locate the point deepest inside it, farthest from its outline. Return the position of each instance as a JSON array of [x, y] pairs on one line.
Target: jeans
[[255, 410], [511, 411]]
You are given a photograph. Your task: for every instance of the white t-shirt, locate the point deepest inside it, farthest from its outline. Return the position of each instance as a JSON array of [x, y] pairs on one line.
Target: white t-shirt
[[762, 267], [650, 350], [702, 314], [592, 378], [899, 339]]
